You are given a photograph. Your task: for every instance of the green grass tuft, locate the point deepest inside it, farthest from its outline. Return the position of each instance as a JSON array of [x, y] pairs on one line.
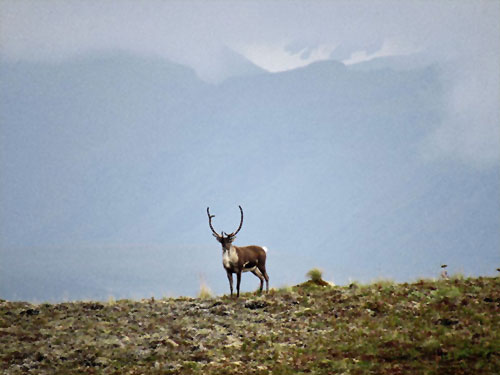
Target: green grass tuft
[[315, 275]]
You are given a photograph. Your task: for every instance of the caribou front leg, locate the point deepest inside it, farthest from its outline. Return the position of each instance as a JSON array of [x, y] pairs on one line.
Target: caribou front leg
[[238, 281], [230, 278]]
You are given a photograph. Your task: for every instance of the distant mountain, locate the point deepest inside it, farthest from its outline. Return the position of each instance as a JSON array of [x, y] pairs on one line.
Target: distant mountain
[[74, 133], [225, 63], [109, 161], [407, 62]]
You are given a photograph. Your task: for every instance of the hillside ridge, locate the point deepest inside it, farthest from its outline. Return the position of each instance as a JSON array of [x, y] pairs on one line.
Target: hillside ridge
[[444, 326]]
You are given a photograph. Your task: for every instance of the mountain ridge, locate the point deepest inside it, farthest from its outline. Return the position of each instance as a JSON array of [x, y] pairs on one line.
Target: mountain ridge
[[324, 160]]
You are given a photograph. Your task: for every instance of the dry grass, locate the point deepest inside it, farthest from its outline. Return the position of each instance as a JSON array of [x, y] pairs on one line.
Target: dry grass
[[205, 291]]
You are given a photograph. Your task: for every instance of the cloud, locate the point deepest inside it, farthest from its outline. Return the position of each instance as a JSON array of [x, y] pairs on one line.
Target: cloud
[[279, 36], [390, 47], [470, 129], [279, 58]]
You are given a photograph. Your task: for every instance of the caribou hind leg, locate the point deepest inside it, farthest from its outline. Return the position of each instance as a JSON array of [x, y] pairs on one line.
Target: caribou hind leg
[[262, 269], [257, 273]]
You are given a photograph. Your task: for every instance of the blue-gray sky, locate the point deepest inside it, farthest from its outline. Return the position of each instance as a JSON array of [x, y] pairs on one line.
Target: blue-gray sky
[[373, 167]]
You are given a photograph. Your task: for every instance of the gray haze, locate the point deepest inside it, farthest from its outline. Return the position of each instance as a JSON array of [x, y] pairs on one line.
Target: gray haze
[[362, 139]]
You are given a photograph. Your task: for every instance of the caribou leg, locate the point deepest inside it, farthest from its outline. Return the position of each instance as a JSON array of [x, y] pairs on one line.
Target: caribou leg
[[257, 273], [230, 278], [262, 269], [238, 282]]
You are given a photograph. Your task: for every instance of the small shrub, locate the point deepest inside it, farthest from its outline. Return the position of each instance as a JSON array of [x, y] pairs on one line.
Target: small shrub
[[315, 275], [315, 279]]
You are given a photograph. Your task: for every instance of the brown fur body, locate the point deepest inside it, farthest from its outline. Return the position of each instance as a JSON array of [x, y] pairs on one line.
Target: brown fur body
[[236, 259]]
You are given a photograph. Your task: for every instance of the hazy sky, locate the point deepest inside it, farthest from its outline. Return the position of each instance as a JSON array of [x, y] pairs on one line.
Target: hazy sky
[[276, 35], [282, 35], [218, 39]]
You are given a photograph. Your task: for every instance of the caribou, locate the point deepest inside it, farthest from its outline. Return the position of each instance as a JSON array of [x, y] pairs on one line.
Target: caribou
[[238, 259]]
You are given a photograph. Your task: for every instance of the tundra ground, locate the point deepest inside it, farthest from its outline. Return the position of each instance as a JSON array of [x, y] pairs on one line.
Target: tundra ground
[[433, 327]]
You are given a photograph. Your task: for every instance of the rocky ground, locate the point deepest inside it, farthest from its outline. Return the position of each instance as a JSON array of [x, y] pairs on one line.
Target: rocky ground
[[440, 327]]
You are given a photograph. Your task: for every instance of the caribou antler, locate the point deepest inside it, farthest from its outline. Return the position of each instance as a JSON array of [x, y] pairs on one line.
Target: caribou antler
[[210, 223], [241, 223]]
